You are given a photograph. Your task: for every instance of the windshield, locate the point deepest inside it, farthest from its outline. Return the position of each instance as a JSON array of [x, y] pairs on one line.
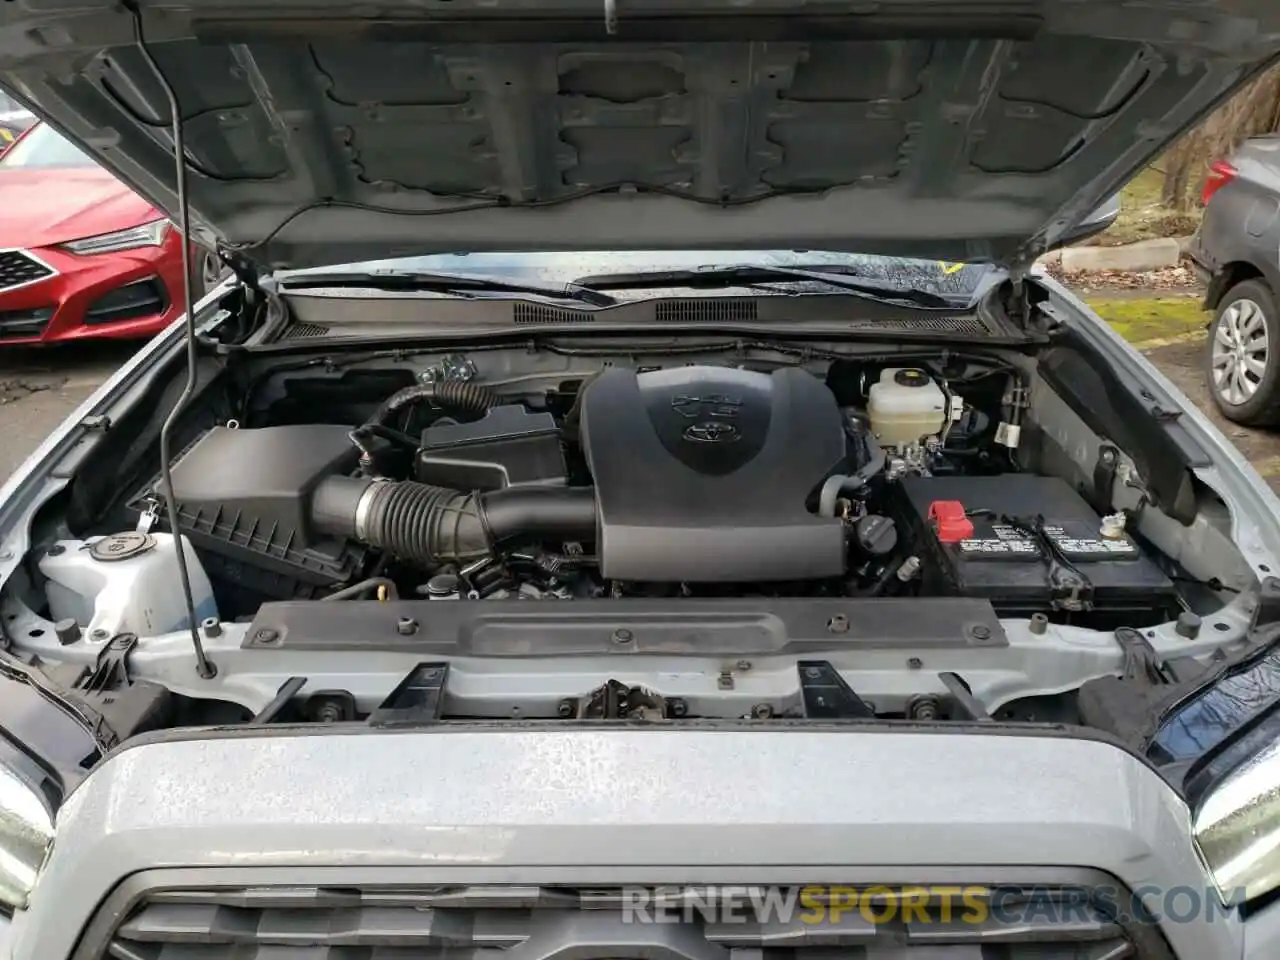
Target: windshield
[[44, 147], [952, 280]]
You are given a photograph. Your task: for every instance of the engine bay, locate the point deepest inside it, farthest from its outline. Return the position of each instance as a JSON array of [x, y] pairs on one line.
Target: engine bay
[[766, 529], [691, 480]]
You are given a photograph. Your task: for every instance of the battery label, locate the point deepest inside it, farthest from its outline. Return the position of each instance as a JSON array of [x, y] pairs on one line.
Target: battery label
[[1004, 541], [1008, 542]]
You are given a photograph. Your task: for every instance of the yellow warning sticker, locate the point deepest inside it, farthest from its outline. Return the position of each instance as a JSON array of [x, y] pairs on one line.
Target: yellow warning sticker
[[949, 268]]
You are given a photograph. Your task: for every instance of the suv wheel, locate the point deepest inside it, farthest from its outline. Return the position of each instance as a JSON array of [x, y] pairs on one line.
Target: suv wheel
[[1244, 355]]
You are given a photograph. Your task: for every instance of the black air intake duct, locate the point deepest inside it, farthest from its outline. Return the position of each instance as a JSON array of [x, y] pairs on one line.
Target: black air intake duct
[[437, 524]]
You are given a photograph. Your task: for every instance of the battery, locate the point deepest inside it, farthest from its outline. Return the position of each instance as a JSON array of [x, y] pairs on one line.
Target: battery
[[1009, 543]]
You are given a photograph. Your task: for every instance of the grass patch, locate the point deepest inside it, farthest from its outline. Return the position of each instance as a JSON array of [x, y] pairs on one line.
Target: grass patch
[[1143, 218], [1150, 318]]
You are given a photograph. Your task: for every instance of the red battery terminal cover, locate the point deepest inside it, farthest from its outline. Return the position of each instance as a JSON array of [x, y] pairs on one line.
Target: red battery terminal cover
[[948, 518]]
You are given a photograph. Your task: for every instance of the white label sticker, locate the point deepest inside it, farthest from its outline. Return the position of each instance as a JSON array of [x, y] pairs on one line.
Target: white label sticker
[[1008, 435]]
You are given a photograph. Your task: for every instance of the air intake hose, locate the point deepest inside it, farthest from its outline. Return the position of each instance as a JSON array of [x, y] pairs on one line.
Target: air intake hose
[[437, 524], [458, 395]]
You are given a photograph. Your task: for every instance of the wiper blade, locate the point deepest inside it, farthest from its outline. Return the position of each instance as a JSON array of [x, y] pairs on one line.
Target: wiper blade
[[753, 275], [456, 283]]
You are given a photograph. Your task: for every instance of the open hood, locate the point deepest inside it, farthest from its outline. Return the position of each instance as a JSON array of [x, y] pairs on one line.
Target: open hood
[[323, 132]]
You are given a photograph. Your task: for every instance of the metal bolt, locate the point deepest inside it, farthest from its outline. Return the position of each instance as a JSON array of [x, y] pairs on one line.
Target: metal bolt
[[212, 627], [98, 634], [678, 707], [744, 664], [813, 673], [762, 711], [915, 663], [923, 708], [266, 635], [1039, 623], [622, 636], [980, 632], [406, 626], [838, 624], [565, 708]]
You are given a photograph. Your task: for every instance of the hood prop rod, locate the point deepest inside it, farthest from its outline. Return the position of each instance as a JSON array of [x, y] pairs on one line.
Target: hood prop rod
[[204, 667]]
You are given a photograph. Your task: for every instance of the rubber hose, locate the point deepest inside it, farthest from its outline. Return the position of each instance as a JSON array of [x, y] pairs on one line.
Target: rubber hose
[[459, 395], [851, 482], [533, 514], [437, 524]]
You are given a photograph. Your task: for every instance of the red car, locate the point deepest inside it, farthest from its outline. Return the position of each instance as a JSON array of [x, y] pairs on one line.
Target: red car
[[81, 255]]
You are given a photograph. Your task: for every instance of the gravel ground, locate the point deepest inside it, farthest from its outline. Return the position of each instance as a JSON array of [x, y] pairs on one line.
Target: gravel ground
[[39, 388]]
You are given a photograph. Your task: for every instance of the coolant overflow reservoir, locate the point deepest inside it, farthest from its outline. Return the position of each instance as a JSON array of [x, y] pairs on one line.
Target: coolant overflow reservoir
[[905, 406], [124, 583]]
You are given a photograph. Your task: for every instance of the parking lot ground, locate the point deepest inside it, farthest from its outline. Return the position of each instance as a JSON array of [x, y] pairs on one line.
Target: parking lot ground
[[1183, 363], [40, 388]]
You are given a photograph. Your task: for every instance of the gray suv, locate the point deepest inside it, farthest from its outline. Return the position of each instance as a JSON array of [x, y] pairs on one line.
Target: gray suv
[[1237, 250]]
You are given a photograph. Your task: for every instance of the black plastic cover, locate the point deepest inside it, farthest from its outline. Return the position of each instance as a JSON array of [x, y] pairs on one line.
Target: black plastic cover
[[702, 474], [1005, 565], [508, 447], [242, 496]]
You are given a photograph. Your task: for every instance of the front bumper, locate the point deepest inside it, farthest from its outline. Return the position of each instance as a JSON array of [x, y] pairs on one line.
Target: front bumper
[[613, 807], [126, 295]]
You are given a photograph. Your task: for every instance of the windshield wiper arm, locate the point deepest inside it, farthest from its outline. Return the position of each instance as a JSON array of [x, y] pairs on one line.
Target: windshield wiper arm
[[457, 283], [750, 275]]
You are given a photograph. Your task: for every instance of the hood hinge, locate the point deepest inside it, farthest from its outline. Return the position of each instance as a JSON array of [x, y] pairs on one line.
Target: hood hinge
[[1017, 300], [243, 268]]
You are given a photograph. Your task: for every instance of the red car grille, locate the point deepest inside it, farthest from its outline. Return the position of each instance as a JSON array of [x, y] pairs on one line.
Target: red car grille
[[17, 268]]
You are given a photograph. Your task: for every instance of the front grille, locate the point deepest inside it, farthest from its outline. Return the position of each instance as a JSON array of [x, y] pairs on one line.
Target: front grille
[[543, 923], [20, 324], [18, 268]]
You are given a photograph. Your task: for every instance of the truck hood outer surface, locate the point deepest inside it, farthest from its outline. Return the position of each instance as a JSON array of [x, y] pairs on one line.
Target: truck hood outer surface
[[318, 132], [615, 806]]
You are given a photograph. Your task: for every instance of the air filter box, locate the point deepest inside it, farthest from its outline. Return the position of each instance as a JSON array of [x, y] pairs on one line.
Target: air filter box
[[242, 498]]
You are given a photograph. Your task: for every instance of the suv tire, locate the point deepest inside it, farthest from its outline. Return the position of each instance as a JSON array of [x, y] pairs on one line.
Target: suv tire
[[1242, 356]]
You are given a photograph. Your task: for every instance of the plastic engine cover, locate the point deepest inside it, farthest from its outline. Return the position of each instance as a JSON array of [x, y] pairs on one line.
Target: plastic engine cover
[[701, 474]]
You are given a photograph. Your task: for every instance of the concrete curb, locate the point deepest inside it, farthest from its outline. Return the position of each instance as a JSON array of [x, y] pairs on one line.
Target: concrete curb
[[1145, 255]]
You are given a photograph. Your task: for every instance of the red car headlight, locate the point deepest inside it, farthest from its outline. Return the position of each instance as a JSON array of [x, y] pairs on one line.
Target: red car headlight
[[147, 235]]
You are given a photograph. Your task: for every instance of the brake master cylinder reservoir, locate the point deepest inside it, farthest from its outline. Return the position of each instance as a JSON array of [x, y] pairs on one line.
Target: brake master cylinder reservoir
[[124, 583], [905, 406]]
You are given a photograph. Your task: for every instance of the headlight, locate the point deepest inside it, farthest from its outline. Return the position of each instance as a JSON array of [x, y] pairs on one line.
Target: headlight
[[26, 832], [148, 235], [1237, 828]]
